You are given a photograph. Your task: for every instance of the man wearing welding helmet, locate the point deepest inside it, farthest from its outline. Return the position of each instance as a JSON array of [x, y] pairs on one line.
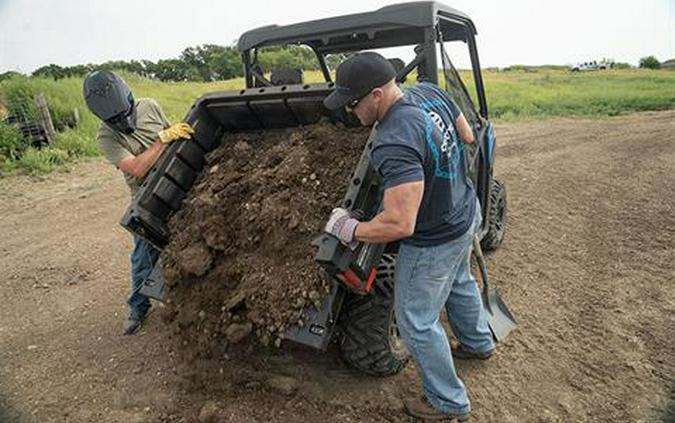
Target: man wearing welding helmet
[[132, 136]]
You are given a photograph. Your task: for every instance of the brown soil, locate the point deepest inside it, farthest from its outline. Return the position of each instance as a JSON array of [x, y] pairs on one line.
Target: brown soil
[[240, 257], [587, 268]]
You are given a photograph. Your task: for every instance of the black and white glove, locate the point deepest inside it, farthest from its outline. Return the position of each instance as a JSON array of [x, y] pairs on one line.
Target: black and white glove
[[342, 225]]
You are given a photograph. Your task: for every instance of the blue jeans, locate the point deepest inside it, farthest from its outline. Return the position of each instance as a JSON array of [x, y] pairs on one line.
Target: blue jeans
[[428, 279], [143, 259]]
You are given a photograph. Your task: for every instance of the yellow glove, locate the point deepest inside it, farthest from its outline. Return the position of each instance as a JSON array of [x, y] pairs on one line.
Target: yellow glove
[[176, 131]]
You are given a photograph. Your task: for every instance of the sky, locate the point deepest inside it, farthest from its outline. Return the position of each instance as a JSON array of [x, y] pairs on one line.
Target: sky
[[532, 32]]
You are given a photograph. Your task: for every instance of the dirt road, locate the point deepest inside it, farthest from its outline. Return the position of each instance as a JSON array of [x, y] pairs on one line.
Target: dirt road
[[588, 267]]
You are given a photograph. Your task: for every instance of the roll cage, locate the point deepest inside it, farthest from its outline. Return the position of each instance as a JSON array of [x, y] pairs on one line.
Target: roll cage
[[424, 25]]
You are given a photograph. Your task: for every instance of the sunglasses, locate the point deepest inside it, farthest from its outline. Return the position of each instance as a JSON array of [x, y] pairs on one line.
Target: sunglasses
[[352, 104]]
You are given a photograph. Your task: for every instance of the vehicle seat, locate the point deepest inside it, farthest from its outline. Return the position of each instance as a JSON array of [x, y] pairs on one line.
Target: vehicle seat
[[287, 76]]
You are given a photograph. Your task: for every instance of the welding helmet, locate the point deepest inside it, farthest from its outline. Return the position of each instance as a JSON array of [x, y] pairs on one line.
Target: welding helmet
[[110, 99]]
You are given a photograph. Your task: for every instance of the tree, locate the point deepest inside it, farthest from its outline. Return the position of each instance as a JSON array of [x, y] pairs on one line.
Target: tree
[[80, 70], [208, 62], [197, 59], [50, 71], [175, 70], [621, 65], [9, 74], [334, 60], [149, 68], [650, 62], [284, 57], [213, 62], [225, 63]]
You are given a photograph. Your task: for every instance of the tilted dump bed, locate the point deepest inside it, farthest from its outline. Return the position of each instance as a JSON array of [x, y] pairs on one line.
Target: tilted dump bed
[[169, 182], [213, 115]]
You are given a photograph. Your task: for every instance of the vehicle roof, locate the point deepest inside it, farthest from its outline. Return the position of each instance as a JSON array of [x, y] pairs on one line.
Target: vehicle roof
[[395, 25]]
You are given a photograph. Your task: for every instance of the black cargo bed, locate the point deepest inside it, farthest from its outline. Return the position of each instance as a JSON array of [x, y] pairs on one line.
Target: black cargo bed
[[170, 180]]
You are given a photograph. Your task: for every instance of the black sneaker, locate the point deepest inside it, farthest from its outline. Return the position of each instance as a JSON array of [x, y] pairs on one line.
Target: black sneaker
[[133, 324], [421, 409], [460, 352]]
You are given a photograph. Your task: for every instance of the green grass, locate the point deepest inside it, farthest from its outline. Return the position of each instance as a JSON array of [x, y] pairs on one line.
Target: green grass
[[512, 95], [553, 93], [65, 95]]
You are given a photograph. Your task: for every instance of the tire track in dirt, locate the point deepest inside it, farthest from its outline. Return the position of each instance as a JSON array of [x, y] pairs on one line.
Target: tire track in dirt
[[576, 193]]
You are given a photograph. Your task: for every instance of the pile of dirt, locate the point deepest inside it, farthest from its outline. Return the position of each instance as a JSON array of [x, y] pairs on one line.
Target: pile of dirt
[[240, 260]]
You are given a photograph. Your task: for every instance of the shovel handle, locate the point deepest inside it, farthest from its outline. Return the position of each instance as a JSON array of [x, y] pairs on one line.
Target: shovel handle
[[478, 253]]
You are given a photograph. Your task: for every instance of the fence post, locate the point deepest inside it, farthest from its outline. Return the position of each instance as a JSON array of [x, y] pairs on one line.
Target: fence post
[[45, 117]]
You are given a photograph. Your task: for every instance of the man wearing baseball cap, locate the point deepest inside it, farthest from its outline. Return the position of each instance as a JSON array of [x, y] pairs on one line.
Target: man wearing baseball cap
[[431, 207]]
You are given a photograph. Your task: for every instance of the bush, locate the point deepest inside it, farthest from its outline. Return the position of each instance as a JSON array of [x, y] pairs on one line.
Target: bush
[[36, 161], [519, 68], [11, 142], [18, 96], [76, 144], [7, 166], [9, 74], [650, 62]]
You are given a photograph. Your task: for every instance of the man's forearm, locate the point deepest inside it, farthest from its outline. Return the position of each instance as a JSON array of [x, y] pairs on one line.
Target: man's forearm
[[464, 129], [140, 165], [382, 228], [398, 216], [149, 157]]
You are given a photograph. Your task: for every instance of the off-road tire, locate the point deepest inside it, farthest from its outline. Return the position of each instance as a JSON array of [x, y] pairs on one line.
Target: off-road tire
[[369, 339], [496, 217]]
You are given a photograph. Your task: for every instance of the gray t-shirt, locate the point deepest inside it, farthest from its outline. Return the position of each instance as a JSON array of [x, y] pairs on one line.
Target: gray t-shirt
[[150, 119], [417, 141]]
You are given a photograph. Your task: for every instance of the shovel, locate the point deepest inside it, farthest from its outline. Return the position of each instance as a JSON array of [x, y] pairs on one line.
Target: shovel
[[499, 317]]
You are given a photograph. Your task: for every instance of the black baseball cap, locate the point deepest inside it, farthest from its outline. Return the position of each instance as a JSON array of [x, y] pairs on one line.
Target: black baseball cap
[[357, 76]]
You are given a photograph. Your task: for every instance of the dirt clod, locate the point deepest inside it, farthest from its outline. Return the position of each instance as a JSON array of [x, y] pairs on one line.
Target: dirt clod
[[195, 260], [283, 384], [236, 332]]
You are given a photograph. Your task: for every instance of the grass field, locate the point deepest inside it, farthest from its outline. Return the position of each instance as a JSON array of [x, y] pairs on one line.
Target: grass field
[[515, 95], [548, 93]]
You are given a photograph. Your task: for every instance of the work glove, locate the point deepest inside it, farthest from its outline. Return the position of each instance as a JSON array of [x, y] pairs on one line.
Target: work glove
[[342, 225], [175, 132]]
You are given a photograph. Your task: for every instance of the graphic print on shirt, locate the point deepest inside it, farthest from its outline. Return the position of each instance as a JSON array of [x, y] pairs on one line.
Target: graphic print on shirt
[[447, 159]]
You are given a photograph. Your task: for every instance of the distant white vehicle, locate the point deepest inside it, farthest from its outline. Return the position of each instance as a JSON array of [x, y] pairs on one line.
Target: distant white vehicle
[[591, 66]]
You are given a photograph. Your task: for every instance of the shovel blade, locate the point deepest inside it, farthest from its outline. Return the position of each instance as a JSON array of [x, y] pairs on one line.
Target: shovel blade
[[154, 286], [499, 317]]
